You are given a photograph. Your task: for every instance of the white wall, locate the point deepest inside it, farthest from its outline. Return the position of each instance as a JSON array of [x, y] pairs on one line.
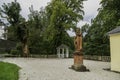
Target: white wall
[[1, 32]]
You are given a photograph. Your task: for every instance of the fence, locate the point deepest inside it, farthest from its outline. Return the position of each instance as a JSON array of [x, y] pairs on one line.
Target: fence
[[43, 56], [99, 58], [89, 57]]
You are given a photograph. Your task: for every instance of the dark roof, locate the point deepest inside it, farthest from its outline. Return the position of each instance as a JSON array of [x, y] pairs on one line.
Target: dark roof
[[116, 30], [62, 46]]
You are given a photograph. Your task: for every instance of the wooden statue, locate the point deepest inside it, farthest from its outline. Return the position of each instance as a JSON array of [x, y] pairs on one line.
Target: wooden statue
[[78, 40], [78, 54]]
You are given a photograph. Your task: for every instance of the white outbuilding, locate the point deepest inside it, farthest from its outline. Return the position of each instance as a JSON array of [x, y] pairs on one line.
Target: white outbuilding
[[63, 51]]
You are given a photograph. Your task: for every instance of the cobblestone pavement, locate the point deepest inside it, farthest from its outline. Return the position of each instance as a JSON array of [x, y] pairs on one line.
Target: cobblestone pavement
[[58, 69]]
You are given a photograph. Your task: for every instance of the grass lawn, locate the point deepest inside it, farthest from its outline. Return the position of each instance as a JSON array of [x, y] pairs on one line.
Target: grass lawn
[[9, 71]]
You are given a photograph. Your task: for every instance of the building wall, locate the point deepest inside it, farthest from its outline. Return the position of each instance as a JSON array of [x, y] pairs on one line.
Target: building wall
[[115, 51], [1, 34]]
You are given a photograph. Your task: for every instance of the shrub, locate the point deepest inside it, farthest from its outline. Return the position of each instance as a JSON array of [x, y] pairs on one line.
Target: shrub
[[14, 52]]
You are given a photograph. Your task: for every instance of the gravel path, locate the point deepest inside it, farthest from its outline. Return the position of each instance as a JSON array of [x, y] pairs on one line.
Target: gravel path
[[58, 69]]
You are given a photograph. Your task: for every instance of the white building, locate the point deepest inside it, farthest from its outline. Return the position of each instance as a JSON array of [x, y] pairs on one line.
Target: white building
[[2, 32], [63, 51]]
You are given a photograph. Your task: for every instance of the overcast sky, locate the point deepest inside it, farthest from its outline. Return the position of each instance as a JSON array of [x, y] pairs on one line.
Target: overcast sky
[[90, 8]]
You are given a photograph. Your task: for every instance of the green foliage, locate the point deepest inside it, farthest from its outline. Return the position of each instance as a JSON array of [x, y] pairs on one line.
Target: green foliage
[[9, 71], [45, 29], [62, 15], [97, 39], [17, 50], [85, 28], [19, 47], [17, 29], [14, 52], [22, 32], [11, 12], [37, 27]]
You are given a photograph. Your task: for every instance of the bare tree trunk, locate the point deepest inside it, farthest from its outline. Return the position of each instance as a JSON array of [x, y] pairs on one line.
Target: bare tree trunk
[[25, 50]]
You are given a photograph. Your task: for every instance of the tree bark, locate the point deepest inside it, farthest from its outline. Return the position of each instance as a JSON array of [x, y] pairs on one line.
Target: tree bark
[[25, 50]]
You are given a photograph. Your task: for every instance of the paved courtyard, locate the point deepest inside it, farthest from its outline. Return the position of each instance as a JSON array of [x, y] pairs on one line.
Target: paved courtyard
[[58, 69]]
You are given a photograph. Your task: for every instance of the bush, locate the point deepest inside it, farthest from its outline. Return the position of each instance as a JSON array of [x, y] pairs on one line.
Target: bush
[[14, 52], [19, 47], [17, 50]]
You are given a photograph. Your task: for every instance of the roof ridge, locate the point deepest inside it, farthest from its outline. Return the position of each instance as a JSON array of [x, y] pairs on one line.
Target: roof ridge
[[115, 30]]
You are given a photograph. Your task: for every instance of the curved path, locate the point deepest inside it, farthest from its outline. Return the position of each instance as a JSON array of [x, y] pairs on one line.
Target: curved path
[[58, 69]]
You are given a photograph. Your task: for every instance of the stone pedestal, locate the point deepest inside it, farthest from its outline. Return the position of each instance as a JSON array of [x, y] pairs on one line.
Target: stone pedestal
[[78, 62]]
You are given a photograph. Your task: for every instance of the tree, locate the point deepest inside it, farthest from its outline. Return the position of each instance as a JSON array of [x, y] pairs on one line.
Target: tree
[[85, 28], [17, 29], [38, 23], [11, 12], [62, 15], [97, 40], [22, 36]]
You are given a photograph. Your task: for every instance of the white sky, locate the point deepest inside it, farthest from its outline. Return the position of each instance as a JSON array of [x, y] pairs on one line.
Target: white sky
[[90, 9]]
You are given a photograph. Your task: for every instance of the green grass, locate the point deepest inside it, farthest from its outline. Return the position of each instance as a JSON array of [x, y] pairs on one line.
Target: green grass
[[9, 71]]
